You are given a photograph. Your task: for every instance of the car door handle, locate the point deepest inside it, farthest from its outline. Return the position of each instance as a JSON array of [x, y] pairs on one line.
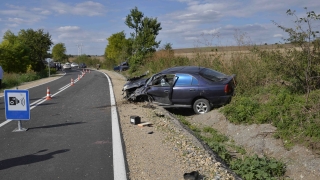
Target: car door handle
[[166, 91]]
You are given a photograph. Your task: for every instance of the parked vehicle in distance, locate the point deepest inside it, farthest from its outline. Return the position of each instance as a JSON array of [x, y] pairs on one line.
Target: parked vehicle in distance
[[122, 67], [83, 65], [194, 87], [74, 65], [66, 66]]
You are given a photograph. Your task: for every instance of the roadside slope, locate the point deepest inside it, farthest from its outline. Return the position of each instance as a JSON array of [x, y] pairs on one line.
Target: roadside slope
[[163, 150]]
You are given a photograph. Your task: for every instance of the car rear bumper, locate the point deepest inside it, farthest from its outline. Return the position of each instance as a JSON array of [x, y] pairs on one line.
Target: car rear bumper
[[221, 100]]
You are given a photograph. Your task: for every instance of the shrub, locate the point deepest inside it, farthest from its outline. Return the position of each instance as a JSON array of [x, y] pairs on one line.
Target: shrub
[[254, 167]]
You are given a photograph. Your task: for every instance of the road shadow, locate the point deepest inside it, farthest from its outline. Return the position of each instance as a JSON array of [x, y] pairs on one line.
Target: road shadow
[[186, 111], [29, 159], [56, 125], [181, 111]]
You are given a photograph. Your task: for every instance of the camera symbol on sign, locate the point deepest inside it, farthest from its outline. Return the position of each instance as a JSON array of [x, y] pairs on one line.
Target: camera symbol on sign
[[14, 101]]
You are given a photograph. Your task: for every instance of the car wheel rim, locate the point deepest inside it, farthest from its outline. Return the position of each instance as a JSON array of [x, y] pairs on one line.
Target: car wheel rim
[[202, 108]]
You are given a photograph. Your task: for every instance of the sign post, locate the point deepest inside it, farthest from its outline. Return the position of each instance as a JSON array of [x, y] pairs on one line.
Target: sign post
[[17, 106]]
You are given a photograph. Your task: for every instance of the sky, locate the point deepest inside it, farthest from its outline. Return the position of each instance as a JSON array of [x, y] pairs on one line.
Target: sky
[[84, 26]]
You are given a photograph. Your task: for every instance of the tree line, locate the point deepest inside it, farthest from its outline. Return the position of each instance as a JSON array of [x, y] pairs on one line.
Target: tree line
[[28, 50], [141, 43]]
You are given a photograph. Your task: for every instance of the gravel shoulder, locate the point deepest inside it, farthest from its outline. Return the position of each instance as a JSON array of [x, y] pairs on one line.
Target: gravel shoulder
[[164, 150], [171, 151]]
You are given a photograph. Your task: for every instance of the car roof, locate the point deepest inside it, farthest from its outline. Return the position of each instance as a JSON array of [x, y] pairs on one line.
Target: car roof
[[183, 69]]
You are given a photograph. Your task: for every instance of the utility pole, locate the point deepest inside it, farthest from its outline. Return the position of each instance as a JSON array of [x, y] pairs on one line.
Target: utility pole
[[79, 49]]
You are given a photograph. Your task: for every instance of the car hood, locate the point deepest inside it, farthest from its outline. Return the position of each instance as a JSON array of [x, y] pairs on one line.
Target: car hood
[[135, 83]]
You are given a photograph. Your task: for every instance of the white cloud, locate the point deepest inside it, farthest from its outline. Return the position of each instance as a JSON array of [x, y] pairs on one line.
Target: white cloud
[[211, 31], [20, 15], [100, 40], [16, 20], [88, 8], [278, 35], [191, 38], [68, 28], [42, 11], [12, 25]]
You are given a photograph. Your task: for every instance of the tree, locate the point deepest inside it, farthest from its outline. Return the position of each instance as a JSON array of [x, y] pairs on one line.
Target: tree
[[144, 38], [39, 44], [14, 56], [166, 47], [59, 52], [9, 36], [119, 48], [133, 20], [302, 65]]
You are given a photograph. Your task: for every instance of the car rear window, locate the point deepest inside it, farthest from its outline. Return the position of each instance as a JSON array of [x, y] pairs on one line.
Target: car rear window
[[212, 75]]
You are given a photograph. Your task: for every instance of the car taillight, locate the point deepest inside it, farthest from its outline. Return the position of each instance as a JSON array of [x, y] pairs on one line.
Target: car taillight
[[227, 89]]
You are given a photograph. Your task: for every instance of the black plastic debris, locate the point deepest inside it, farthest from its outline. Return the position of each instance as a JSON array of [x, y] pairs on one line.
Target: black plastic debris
[[194, 175]]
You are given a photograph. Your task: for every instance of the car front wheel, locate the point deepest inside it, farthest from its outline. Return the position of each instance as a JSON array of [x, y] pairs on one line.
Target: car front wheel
[[201, 106]]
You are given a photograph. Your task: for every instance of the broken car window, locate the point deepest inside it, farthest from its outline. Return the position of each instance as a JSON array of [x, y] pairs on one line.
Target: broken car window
[[164, 80]]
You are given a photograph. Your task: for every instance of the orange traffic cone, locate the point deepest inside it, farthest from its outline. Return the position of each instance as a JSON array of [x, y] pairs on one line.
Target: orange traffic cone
[[48, 94], [72, 82], [86, 70], [89, 70], [78, 77]]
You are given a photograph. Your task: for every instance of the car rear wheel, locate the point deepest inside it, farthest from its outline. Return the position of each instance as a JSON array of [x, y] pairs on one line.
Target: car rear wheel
[[201, 106]]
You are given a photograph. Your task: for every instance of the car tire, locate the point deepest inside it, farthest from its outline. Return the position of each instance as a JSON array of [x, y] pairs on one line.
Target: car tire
[[201, 106]]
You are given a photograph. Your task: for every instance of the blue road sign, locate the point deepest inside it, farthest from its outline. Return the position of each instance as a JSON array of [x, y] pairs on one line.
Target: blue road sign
[[17, 104]]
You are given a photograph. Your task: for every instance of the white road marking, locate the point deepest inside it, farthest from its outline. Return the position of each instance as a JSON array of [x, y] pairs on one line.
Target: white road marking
[[5, 122], [39, 101], [119, 169]]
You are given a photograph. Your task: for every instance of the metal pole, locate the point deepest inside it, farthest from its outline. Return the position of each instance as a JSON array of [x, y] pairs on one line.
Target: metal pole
[[49, 66], [19, 129], [19, 125]]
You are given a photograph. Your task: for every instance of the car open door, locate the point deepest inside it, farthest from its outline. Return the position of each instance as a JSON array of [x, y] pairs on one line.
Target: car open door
[[160, 89]]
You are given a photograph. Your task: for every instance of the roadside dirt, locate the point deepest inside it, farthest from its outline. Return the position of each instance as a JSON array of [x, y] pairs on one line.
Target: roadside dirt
[[145, 152], [165, 150]]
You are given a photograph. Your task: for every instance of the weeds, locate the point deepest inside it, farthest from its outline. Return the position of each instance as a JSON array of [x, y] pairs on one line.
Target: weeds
[[254, 167], [249, 167]]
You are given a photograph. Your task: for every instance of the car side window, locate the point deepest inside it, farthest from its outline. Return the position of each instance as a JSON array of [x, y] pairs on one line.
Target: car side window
[[186, 80], [194, 82], [165, 80]]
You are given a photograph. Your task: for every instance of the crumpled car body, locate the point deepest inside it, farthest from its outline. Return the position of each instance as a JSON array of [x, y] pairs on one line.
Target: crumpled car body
[[193, 87]]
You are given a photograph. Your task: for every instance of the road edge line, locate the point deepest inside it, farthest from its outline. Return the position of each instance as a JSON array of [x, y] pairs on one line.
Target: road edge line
[[119, 169]]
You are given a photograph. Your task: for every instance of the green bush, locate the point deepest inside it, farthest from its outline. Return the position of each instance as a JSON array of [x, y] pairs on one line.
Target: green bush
[[255, 168], [241, 109], [11, 80]]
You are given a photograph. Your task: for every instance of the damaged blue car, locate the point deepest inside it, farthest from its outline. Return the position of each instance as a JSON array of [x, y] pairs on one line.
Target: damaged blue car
[[193, 87]]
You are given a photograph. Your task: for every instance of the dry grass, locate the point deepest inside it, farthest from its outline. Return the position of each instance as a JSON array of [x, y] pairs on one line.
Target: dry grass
[[101, 58], [225, 53]]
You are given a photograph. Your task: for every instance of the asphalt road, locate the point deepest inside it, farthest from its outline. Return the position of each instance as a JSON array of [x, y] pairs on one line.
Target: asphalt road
[[68, 137]]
